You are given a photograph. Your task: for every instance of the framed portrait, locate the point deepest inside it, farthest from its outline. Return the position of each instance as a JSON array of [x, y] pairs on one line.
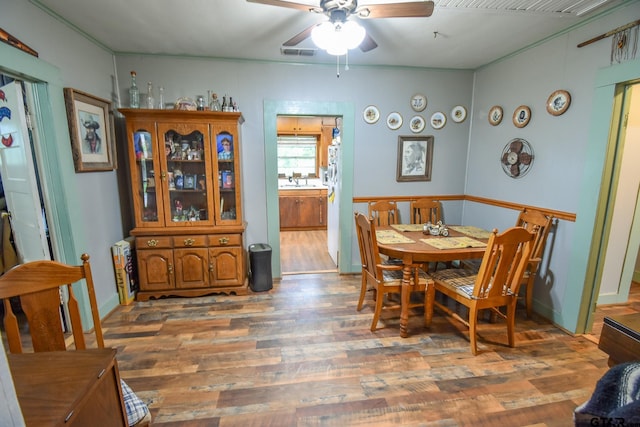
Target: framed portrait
[[91, 130], [224, 142], [415, 157]]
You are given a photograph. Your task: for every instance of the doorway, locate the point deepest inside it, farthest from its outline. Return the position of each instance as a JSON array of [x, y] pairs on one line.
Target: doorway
[[619, 219], [308, 225], [346, 238]]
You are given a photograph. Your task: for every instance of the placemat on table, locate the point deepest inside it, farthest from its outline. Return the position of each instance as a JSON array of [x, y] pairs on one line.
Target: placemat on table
[[387, 237], [454, 243], [471, 231], [407, 227]]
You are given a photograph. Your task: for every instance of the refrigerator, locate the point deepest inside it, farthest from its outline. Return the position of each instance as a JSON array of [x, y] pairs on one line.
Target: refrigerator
[[334, 169]]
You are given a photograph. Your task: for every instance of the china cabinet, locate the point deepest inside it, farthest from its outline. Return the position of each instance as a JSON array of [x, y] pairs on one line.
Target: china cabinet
[[187, 200]]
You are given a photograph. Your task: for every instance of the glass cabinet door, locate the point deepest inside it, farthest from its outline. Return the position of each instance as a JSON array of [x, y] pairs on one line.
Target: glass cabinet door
[[146, 197], [186, 174], [227, 157]]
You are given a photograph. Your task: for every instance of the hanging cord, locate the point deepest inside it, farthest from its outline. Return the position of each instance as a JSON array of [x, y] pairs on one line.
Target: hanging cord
[[338, 66]]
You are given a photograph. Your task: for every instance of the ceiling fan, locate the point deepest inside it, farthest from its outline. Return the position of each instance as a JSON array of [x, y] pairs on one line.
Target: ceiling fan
[[338, 11]]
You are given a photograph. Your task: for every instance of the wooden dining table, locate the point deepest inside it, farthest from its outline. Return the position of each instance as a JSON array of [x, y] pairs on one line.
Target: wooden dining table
[[408, 243]]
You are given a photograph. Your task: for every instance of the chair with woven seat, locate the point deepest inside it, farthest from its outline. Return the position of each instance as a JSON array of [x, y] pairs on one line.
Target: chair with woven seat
[[38, 286], [386, 278], [384, 212], [493, 286], [425, 210], [539, 223]]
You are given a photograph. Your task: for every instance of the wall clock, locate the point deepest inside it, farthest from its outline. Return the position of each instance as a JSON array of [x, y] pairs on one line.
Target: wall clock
[[517, 158]]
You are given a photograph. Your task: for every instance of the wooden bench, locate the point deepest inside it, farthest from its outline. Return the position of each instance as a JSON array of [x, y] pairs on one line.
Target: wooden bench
[[620, 338]]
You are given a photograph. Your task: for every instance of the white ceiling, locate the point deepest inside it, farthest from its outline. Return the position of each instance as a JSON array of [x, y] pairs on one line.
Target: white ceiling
[[460, 34]]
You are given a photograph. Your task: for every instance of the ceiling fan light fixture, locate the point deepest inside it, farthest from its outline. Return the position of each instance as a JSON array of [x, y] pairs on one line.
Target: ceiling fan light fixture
[[338, 37]]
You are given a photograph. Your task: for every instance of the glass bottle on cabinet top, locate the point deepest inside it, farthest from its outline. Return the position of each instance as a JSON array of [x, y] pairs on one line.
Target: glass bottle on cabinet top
[[134, 93]]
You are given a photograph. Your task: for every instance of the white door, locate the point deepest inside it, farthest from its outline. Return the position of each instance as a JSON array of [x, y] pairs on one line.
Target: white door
[[19, 178]]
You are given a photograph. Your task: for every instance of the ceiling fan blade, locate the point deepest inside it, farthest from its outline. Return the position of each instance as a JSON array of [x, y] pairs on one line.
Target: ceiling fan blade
[[282, 3], [298, 38], [368, 44], [416, 9]]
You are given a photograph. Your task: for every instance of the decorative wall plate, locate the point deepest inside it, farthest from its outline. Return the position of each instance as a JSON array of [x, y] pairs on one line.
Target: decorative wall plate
[[394, 120], [558, 102], [458, 114], [517, 158], [371, 114], [418, 102], [438, 120], [495, 115], [521, 116], [416, 124]]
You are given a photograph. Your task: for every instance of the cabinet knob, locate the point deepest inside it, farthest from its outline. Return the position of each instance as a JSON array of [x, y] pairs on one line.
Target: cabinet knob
[[223, 240], [152, 243], [170, 268], [189, 242], [211, 268]]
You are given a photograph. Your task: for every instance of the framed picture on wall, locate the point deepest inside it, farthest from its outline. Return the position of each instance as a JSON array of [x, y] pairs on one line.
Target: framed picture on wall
[[91, 131], [415, 156]]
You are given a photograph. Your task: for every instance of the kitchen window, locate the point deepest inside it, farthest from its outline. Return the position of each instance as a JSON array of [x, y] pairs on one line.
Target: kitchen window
[[297, 154]]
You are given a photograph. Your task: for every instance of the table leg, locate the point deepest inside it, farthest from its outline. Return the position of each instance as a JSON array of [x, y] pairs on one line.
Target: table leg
[[405, 297]]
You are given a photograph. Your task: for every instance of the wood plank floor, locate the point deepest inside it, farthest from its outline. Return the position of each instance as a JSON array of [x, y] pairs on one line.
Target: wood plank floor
[[305, 252], [301, 355]]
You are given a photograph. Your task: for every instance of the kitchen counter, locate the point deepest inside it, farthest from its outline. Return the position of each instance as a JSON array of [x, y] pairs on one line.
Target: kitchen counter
[[310, 184]]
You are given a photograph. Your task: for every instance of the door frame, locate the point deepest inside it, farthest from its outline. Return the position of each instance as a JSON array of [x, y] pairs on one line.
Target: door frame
[[588, 237], [45, 96], [346, 110]]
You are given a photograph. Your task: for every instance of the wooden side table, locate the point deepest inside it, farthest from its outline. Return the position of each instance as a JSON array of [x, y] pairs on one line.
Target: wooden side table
[[70, 388], [620, 338]]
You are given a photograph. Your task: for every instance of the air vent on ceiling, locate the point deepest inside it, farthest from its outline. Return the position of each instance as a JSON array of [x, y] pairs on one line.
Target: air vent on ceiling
[[291, 51]]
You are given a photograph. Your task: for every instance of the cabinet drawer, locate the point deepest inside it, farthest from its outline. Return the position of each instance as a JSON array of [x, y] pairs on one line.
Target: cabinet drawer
[[225, 240], [189, 241], [153, 242]]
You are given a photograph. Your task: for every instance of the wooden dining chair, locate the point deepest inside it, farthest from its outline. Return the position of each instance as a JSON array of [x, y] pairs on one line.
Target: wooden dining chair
[[386, 278], [425, 210], [493, 286], [540, 224], [384, 212], [37, 284]]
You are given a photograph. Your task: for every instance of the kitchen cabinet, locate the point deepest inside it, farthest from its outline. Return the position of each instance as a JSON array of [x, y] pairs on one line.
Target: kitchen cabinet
[[296, 124], [303, 209], [184, 169]]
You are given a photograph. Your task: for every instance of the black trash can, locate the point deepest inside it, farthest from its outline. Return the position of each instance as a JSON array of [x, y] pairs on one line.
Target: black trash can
[[260, 267]]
